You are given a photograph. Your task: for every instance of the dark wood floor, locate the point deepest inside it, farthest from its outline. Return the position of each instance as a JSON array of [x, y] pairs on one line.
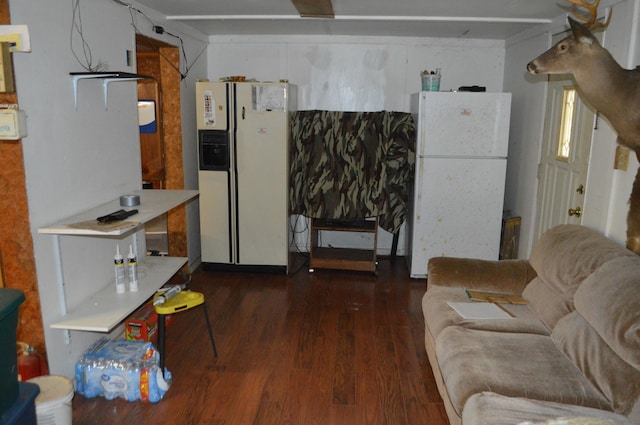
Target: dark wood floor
[[327, 348]]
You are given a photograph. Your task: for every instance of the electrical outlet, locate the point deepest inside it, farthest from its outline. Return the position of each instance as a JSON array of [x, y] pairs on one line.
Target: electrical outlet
[[622, 158], [13, 125]]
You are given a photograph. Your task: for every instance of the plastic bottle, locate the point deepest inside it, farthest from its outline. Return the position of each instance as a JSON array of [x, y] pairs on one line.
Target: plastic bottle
[[167, 294], [118, 262], [132, 264]]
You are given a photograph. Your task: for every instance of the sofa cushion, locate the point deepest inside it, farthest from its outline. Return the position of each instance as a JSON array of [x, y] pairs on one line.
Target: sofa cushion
[[505, 276], [616, 379], [548, 304], [489, 408], [610, 301], [512, 364], [439, 315], [563, 257]]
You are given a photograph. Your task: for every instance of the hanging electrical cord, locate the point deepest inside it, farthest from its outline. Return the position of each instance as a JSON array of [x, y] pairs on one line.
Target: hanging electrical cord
[[293, 243], [76, 26], [158, 29]]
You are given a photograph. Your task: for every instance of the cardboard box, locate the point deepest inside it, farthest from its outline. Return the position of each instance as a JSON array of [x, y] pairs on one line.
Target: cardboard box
[[142, 325]]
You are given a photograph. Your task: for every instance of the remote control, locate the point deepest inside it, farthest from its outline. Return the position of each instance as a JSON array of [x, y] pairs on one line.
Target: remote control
[[116, 216]]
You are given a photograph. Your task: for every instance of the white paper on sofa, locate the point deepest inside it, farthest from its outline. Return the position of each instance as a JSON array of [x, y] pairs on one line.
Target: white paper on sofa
[[479, 310]]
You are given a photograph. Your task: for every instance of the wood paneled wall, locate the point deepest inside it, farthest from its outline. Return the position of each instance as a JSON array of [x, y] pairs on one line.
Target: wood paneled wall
[[16, 246]]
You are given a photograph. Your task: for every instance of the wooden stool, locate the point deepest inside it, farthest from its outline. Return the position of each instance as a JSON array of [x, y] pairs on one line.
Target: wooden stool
[[180, 302]]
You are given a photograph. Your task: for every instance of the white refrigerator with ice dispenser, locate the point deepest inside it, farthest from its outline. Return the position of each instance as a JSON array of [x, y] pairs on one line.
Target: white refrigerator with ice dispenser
[[457, 196], [243, 154]]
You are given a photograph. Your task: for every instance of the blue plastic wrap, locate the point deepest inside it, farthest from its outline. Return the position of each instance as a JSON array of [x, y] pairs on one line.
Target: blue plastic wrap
[[121, 368]]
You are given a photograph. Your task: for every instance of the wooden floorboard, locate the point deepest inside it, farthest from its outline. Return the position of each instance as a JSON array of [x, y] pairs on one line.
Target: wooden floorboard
[[326, 348]]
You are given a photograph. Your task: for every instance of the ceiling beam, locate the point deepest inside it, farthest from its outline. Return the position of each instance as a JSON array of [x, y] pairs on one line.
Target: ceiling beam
[[314, 8]]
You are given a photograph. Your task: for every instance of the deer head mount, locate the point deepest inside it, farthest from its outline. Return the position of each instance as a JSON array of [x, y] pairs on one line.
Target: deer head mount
[[603, 83]]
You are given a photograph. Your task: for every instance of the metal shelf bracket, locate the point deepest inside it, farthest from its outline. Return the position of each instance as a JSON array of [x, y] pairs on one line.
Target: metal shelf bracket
[[107, 77]]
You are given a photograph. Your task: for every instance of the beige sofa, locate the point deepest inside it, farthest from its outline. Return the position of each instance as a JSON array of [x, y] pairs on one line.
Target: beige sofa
[[572, 351]]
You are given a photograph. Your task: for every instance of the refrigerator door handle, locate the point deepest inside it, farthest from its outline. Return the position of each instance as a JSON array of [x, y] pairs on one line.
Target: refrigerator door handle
[[243, 112]]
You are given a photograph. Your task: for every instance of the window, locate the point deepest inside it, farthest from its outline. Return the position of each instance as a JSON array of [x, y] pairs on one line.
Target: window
[[566, 124]]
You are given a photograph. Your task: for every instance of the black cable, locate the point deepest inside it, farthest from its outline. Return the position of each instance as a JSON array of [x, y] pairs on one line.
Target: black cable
[[76, 25], [161, 30]]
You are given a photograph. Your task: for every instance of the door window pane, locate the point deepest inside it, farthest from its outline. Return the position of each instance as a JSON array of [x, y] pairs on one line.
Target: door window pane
[[566, 124]]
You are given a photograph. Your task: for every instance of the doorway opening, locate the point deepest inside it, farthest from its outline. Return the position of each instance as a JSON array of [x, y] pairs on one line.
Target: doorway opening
[[161, 142], [566, 150]]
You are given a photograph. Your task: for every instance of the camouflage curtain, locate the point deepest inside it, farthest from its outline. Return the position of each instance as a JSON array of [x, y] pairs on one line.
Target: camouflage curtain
[[347, 165]]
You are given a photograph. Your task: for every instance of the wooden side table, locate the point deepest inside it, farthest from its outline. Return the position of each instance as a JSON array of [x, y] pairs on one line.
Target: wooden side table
[[343, 258]]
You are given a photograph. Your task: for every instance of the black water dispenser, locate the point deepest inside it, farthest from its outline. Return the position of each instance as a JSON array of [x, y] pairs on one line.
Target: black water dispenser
[[213, 150]]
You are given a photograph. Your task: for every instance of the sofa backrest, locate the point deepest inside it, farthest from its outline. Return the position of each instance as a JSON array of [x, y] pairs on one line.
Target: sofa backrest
[[563, 257], [602, 337]]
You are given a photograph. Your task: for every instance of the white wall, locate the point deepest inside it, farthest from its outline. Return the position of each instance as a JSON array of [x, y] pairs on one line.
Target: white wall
[[525, 136], [77, 159], [608, 190], [357, 74], [621, 39]]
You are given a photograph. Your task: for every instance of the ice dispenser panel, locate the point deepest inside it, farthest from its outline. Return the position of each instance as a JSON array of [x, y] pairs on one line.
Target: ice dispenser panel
[[213, 150]]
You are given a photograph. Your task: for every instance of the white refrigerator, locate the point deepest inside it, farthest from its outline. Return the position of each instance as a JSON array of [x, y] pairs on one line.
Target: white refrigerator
[[243, 136], [456, 202]]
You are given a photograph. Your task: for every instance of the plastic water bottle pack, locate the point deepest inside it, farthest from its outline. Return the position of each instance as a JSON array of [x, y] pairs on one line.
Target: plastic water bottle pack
[[121, 368]]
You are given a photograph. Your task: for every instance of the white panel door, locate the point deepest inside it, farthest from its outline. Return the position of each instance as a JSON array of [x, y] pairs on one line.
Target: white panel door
[[562, 179], [262, 153]]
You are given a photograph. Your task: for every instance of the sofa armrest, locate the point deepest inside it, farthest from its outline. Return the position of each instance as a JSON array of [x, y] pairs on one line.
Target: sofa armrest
[[506, 276]]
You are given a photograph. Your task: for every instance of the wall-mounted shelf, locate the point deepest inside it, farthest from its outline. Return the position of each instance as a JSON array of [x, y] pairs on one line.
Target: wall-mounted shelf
[[105, 309], [153, 203], [106, 77]]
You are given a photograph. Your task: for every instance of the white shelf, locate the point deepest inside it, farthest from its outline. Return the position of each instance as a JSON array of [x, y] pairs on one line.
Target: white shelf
[[106, 309], [153, 203]]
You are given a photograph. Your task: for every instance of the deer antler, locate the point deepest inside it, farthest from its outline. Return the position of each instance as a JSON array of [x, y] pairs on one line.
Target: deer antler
[[590, 18]]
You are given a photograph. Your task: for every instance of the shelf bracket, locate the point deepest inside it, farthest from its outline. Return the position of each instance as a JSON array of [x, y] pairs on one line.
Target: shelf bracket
[[107, 77], [62, 296], [105, 85]]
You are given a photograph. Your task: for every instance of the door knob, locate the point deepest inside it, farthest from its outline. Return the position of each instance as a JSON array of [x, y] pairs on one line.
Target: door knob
[[577, 212], [580, 189]]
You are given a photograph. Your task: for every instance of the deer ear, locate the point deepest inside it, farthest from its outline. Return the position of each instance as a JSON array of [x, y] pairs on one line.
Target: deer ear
[[581, 33]]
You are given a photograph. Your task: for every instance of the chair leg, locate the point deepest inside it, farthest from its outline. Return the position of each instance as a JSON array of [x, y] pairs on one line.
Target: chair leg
[[206, 316]]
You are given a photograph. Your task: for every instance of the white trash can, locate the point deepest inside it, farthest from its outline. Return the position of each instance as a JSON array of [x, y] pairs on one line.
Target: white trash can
[[53, 404]]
